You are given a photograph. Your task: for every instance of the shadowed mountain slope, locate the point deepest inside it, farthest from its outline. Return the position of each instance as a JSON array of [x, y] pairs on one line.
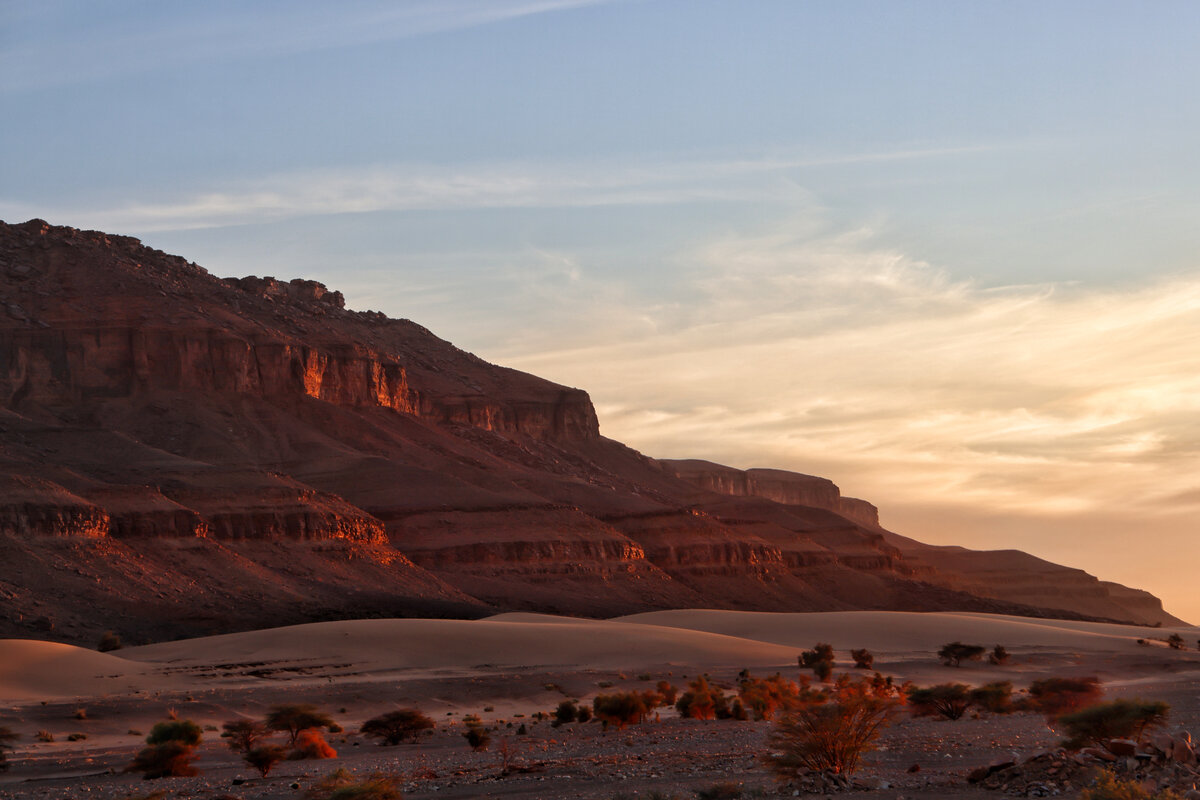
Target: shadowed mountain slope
[[183, 454]]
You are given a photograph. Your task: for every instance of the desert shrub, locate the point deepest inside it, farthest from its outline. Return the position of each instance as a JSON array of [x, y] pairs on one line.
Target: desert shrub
[[827, 736], [994, 697], [109, 641], [1175, 641], [7, 737], [668, 691], [1110, 787], [620, 709], [76, 737], [183, 730], [263, 757], [862, 658], [293, 718], [949, 700], [1057, 696], [46, 736], [566, 712], [819, 660], [954, 653], [999, 655], [720, 791], [396, 726], [702, 700], [341, 785], [157, 794], [765, 696], [171, 759], [1120, 719], [583, 714], [477, 737], [243, 735], [80, 713], [311, 745]]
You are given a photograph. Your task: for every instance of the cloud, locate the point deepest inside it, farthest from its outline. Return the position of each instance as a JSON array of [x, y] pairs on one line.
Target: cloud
[[50, 48], [423, 187], [826, 352]]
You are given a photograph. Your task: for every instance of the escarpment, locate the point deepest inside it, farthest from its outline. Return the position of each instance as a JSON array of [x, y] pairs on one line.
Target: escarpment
[[185, 454]]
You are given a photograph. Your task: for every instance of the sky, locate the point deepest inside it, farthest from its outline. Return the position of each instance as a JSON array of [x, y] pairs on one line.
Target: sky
[[943, 253]]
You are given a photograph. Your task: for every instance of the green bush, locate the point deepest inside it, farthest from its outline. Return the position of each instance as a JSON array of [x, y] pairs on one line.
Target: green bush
[[171, 759], [862, 658], [566, 712], [263, 757], [819, 660], [620, 709], [1120, 719], [181, 730]]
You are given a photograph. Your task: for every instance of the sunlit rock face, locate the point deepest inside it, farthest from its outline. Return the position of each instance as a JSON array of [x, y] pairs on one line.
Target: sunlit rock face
[[188, 454]]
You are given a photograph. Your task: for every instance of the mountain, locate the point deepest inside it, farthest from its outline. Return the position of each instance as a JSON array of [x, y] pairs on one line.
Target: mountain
[[182, 454]]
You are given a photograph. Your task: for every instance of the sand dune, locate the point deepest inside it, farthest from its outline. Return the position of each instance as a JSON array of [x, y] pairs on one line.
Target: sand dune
[[43, 670], [372, 648], [467, 644], [903, 632]]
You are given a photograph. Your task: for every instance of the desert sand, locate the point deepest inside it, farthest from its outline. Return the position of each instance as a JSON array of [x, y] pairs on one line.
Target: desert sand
[[508, 668]]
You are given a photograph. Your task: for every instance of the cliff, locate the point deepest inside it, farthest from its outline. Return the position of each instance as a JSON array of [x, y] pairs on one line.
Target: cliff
[[186, 453]]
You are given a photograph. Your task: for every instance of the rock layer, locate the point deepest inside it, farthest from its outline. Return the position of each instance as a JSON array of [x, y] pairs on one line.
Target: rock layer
[[250, 448]]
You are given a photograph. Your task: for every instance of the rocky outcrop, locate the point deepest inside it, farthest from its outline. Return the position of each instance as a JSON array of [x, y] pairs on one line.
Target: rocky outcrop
[[781, 486], [183, 453]]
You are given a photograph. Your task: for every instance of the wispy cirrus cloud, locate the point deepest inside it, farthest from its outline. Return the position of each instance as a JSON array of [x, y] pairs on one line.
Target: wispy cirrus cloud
[[48, 46], [423, 187]]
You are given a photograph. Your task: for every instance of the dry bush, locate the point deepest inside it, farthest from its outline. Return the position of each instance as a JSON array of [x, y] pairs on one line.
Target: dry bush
[[396, 726], [668, 691], [310, 744], [1057, 696], [1175, 641], [567, 711], [702, 700], [1120, 719], [765, 696], [994, 697], [171, 759], [827, 737], [819, 660], [109, 641], [478, 737], [1110, 787], [949, 700], [183, 730], [620, 709], [341, 785], [999, 655]]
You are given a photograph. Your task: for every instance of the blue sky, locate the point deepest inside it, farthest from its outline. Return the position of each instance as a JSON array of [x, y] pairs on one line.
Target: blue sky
[[943, 253]]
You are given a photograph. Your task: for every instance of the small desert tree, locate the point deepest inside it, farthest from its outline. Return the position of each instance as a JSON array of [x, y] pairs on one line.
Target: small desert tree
[[819, 660], [395, 726], [998, 656], [1057, 696], [829, 736], [862, 658], [954, 653], [243, 735], [7, 737], [1120, 719], [263, 757], [949, 700], [293, 718]]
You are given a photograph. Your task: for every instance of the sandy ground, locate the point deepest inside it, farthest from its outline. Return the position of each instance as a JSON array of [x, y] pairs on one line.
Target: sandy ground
[[508, 668]]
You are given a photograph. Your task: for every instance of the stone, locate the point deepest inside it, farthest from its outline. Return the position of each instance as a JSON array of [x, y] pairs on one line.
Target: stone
[[1122, 747]]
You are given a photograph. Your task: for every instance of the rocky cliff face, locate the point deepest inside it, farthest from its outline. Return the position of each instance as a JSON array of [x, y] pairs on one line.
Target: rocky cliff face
[[183, 453]]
